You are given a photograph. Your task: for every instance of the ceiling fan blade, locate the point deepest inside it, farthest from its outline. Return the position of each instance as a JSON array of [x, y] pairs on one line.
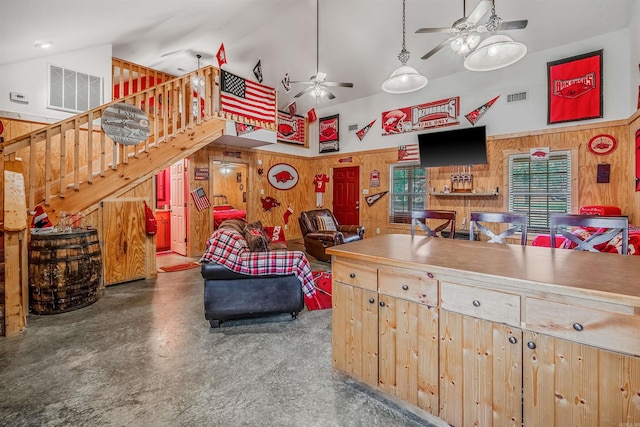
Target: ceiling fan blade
[[481, 9], [435, 50], [434, 30], [330, 95], [303, 91], [340, 84], [513, 25], [302, 82]]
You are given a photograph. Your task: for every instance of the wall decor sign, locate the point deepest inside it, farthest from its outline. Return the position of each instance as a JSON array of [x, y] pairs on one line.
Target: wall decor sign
[[362, 132], [283, 176], [575, 88], [374, 198], [201, 174], [444, 112], [539, 154], [236, 154], [408, 153], [602, 144], [329, 133], [476, 114], [374, 178], [125, 124], [292, 129]]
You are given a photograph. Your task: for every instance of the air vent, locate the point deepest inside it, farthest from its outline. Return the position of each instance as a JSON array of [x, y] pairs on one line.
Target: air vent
[[517, 97], [353, 127], [73, 91]]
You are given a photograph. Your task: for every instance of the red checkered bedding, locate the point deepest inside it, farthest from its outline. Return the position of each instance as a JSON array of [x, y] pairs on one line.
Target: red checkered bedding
[[229, 248], [614, 245]]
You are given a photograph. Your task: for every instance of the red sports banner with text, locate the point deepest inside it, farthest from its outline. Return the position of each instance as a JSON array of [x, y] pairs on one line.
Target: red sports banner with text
[[292, 129], [444, 112]]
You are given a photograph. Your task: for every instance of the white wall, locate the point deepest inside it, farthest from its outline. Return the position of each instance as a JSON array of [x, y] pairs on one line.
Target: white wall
[[475, 89], [31, 79], [634, 54]]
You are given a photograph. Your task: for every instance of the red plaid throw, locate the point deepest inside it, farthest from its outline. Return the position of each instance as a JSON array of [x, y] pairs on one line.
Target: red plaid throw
[[229, 248]]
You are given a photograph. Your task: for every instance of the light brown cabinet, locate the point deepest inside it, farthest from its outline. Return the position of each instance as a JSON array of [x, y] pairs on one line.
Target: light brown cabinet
[[163, 236], [495, 335]]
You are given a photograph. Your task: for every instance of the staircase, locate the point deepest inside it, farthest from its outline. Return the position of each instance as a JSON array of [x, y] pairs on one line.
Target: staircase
[[72, 165]]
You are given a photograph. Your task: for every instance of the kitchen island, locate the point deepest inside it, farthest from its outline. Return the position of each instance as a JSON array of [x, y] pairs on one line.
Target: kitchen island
[[484, 334]]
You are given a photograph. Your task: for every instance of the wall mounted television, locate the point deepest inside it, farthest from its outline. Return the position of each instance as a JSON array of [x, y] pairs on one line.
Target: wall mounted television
[[460, 147]]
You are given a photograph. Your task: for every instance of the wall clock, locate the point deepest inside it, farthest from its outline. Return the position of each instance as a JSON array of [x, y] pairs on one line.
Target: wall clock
[[283, 176], [602, 144]]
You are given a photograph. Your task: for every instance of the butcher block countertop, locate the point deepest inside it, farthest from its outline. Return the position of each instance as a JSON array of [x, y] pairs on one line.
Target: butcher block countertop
[[605, 277]]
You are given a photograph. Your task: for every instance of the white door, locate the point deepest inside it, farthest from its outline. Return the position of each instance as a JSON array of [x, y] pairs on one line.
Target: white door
[[178, 209]]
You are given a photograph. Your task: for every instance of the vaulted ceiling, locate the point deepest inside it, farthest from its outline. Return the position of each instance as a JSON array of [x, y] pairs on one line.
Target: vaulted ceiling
[[359, 40]]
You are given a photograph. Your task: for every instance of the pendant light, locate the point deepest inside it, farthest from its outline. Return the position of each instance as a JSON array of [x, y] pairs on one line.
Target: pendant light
[[404, 79]]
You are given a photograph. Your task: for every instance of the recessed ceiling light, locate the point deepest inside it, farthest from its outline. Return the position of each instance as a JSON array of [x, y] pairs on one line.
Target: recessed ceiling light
[[43, 45]]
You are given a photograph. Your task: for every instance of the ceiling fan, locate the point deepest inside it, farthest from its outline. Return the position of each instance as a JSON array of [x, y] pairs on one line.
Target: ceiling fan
[[466, 31], [317, 85]]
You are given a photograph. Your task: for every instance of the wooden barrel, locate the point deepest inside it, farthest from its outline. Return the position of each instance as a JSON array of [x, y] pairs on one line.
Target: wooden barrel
[[65, 271]]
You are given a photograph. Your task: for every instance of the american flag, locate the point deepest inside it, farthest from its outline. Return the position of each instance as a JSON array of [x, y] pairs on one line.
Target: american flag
[[408, 153], [247, 99], [200, 199]]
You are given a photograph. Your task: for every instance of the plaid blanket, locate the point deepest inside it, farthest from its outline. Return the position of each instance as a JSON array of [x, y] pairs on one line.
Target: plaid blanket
[[229, 248]]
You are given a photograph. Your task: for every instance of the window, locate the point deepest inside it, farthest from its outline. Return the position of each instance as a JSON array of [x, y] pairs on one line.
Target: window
[[540, 187], [408, 191], [72, 91]]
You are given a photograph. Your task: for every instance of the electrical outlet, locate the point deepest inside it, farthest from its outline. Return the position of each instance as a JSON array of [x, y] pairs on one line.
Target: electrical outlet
[[262, 192], [286, 226], [378, 230]]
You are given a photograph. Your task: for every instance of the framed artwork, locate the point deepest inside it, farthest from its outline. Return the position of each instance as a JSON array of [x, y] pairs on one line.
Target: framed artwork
[[574, 89], [292, 129], [329, 134]]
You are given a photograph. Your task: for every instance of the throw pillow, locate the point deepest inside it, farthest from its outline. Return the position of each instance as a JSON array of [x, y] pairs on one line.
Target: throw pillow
[[235, 224], [256, 237], [326, 223]]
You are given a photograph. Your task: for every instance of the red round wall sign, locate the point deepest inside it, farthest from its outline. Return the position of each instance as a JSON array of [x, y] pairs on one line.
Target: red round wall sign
[[283, 176], [602, 144], [1, 127]]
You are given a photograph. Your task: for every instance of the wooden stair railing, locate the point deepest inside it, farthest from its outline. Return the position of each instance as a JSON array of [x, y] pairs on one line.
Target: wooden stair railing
[[67, 160]]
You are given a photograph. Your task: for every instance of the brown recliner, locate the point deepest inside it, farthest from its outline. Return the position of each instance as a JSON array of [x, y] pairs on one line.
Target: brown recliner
[[320, 230]]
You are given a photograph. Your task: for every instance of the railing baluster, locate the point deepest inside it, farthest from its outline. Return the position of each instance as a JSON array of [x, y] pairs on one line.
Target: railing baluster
[[76, 154], [33, 156], [47, 168], [103, 150], [63, 159], [90, 147]]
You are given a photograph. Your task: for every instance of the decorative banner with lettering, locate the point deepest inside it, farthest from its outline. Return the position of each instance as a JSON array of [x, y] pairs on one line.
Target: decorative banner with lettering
[[125, 124], [329, 133], [292, 129], [444, 112], [476, 114], [242, 128], [575, 88], [374, 198], [362, 132]]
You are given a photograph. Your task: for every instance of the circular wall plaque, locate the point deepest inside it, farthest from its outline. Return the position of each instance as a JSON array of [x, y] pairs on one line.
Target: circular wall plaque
[[602, 144], [283, 176], [125, 124]]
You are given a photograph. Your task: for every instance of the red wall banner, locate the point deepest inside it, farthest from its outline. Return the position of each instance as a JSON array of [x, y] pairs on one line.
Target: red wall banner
[[292, 129], [444, 112]]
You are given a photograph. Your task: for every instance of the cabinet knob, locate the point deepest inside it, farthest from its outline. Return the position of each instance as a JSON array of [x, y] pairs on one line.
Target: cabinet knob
[[381, 303], [352, 275], [476, 303], [430, 275], [405, 287], [531, 345], [513, 340], [371, 300], [578, 327]]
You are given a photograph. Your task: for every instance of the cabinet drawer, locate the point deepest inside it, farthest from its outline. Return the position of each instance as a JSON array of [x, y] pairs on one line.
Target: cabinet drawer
[[590, 326], [411, 285], [355, 274], [496, 306]]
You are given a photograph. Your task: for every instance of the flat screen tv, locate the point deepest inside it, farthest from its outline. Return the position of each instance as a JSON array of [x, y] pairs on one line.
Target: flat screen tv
[[460, 147]]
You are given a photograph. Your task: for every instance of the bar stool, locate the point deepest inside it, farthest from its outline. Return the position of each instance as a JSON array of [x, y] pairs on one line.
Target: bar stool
[[517, 221], [449, 218], [604, 229]]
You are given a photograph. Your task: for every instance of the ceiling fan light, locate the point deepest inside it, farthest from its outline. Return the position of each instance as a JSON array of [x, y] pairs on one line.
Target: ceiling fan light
[[464, 49], [473, 40], [495, 52], [404, 79], [456, 44]]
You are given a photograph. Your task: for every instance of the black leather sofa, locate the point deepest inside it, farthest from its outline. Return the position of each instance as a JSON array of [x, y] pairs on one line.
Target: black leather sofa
[[229, 295]]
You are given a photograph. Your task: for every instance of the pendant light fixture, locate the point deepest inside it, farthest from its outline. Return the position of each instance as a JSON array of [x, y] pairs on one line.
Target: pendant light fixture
[[404, 79], [496, 51]]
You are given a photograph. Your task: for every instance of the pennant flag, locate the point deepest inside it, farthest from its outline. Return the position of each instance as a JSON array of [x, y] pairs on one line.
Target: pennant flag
[[246, 98], [242, 128], [293, 108], [408, 153], [200, 199], [475, 115], [257, 71], [362, 132], [221, 56], [374, 198], [286, 83], [311, 114]]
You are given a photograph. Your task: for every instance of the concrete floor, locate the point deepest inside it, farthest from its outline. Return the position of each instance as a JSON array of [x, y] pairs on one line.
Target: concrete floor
[[144, 355]]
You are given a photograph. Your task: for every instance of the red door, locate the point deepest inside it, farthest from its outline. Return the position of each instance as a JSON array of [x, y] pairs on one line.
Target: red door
[[346, 195]]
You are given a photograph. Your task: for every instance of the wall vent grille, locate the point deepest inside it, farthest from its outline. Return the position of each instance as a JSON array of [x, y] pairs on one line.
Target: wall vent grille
[[517, 97], [73, 91]]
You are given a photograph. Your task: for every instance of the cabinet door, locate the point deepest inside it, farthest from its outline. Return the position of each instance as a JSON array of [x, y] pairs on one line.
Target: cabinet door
[[355, 331], [124, 240], [571, 384], [163, 235], [480, 372], [408, 342]]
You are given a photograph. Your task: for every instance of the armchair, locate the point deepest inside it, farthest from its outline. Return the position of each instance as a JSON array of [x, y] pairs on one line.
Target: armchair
[[320, 230]]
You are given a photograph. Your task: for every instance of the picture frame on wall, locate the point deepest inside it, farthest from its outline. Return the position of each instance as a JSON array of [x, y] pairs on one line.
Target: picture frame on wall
[[574, 89], [329, 133]]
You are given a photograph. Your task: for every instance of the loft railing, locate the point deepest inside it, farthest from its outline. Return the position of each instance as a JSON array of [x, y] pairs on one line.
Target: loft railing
[[64, 156]]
